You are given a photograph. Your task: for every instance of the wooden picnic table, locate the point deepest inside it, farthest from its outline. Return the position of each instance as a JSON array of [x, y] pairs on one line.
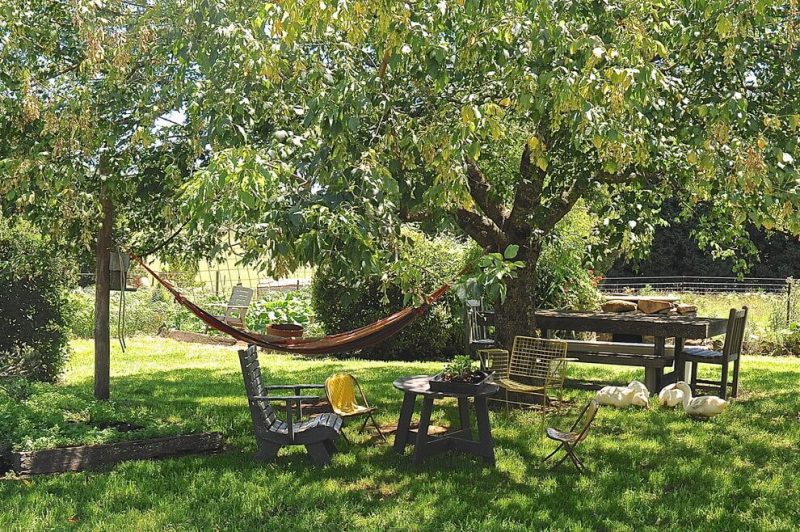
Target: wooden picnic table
[[660, 327]]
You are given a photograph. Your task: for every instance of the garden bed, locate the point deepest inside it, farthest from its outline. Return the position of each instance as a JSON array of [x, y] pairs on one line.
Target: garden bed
[[86, 457], [46, 428]]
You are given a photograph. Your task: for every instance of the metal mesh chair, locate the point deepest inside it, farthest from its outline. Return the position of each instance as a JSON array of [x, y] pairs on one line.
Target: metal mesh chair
[[570, 439], [536, 366]]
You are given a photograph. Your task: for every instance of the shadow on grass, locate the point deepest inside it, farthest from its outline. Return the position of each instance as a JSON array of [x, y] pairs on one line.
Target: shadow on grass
[[651, 468]]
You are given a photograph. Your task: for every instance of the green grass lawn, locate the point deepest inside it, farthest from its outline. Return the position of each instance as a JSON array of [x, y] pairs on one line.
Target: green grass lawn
[[648, 469]]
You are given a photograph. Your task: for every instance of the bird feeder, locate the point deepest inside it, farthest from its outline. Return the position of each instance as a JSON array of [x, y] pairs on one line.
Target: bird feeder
[[119, 266]]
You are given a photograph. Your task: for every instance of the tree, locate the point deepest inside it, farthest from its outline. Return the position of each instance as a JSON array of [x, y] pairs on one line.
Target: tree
[[335, 123], [88, 150]]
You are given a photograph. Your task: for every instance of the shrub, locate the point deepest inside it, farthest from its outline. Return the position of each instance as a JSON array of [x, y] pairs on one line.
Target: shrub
[[562, 278], [45, 416], [340, 305], [33, 304], [290, 307]]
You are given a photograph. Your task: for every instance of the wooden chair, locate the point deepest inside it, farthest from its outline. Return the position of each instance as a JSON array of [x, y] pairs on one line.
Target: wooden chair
[[236, 307], [318, 434], [475, 326], [731, 352], [340, 390], [536, 367], [570, 439]]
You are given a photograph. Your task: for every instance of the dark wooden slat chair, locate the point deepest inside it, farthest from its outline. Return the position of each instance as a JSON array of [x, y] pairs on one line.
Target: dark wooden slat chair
[[476, 321], [731, 352], [318, 434], [570, 439]]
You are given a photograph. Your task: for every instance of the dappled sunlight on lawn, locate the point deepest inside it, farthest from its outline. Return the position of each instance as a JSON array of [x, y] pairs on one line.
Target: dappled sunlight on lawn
[[651, 468]]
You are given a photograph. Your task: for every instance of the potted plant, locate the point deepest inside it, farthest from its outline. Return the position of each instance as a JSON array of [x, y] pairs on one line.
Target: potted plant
[[460, 376], [283, 317]]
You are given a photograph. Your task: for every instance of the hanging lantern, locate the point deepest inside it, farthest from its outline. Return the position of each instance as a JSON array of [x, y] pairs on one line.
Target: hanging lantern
[[119, 266]]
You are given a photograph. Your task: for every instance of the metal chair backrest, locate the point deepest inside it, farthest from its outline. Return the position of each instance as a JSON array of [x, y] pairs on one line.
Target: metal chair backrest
[[474, 325], [538, 358], [585, 419], [734, 335], [261, 411], [240, 299], [497, 361]]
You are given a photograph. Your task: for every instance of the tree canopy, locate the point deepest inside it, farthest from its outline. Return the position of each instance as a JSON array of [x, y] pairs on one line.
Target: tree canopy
[[317, 128]]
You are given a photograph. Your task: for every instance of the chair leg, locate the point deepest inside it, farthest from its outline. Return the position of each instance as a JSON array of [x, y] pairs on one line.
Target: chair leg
[[319, 453], [723, 388], [735, 390], [267, 451], [344, 435], [546, 458], [378, 429], [364, 424], [561, 461], [330, 446], [575, 460]]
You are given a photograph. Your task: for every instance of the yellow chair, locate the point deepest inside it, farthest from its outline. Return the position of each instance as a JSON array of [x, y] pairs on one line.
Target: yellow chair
[[341, 392]]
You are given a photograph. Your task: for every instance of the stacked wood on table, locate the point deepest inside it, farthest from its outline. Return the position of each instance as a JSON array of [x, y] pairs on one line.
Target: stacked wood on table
[[650, 306]]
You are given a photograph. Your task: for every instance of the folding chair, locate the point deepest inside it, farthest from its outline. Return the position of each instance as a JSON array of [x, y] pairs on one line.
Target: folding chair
[[341, 392], [569, 440]]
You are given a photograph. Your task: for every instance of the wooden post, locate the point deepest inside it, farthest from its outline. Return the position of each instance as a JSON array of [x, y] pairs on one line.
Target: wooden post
[[102, 332], [788, 301]]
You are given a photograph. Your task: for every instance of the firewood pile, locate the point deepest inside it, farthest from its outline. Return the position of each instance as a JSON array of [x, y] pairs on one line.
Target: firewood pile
[[650, 306]]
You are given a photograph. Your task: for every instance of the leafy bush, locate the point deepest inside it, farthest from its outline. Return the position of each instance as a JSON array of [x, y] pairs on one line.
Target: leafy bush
[[291, 307], [147, 311], [562, 278], [340, 305], [33, 304], [43, 416]]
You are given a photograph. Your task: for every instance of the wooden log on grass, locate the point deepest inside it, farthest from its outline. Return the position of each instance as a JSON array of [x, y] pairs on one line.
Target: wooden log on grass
[[87, 457]]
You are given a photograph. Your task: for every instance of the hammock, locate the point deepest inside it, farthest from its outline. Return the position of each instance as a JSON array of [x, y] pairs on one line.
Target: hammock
[[365, 336]]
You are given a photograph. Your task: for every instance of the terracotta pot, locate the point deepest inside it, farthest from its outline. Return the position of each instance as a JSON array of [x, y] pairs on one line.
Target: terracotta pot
[[285, 330]]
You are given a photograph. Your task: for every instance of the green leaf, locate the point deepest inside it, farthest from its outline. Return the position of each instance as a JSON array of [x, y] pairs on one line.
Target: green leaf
[[511, 251]]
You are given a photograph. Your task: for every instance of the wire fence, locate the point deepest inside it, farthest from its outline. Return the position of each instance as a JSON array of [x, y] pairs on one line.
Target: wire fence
[[786, 290], [703, 285], [218, 281]]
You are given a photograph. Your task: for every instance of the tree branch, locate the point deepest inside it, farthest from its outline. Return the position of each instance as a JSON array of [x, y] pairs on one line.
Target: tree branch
[[481, 229], [479, 190], [529, 193], [548, 216]]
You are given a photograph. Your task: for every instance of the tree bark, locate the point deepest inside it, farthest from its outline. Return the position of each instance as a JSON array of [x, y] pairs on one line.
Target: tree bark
[[102, 332], [516, 315]]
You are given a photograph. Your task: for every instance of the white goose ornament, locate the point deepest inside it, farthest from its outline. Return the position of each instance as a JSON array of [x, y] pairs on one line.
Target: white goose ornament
[[702, 407], [670, 396], [634, 393]]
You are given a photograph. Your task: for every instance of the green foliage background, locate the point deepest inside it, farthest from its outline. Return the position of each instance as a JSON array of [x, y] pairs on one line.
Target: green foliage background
[[33, 304]]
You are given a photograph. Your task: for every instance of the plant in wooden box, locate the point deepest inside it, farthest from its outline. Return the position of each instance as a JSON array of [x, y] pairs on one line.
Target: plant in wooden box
[[460, 376]]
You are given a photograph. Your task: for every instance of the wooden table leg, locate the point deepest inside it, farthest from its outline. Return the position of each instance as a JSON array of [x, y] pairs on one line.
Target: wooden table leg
[[484, 429], [404, 423], [680, 363], [654, 377], [463, 414], [422, 430]]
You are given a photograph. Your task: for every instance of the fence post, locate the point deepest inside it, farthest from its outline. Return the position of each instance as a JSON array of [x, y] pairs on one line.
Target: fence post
[[216, 283], [789, 284]]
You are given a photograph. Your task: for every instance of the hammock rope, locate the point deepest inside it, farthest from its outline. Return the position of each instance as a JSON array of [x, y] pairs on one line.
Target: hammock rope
[[360, 338]]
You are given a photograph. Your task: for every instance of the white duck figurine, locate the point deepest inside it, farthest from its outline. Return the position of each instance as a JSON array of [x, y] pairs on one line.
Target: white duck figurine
[[634, 393], [670, 396], [703, 407]]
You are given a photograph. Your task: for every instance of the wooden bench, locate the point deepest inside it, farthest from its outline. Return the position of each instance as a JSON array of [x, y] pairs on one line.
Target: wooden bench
[[623, 354]]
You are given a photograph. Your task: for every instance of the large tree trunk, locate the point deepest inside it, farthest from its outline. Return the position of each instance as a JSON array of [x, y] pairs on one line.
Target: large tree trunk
[[102, 333], [516, 315]]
